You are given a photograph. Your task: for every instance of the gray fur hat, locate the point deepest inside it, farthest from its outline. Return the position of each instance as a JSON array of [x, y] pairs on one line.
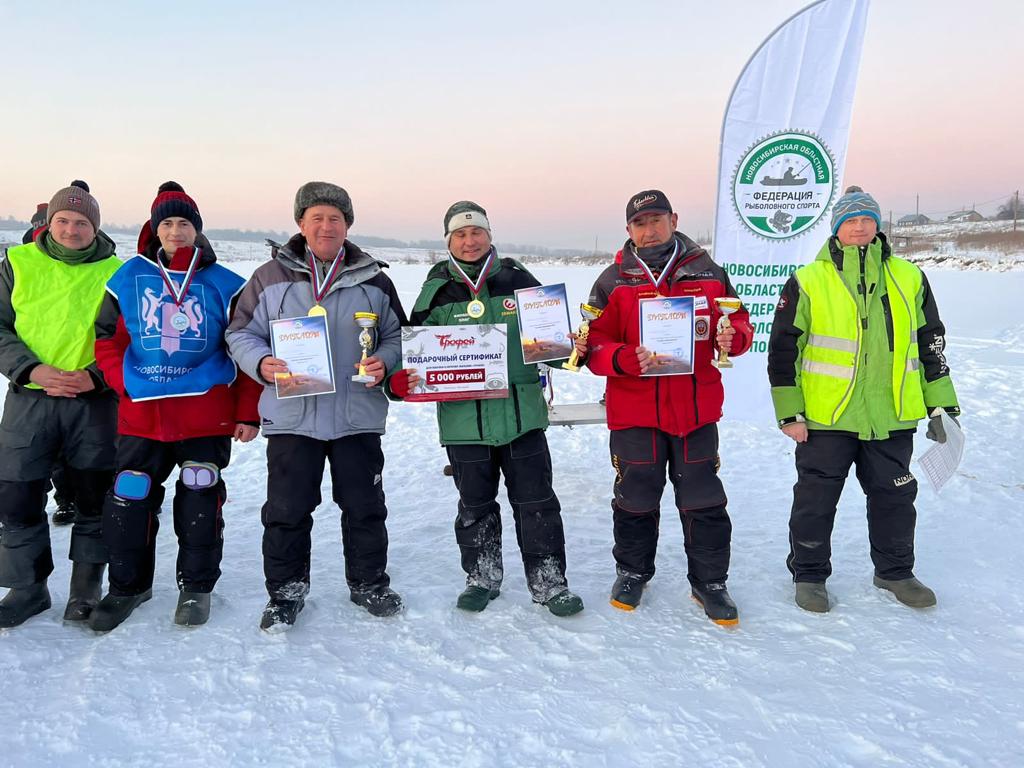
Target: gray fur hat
[[323, 193]]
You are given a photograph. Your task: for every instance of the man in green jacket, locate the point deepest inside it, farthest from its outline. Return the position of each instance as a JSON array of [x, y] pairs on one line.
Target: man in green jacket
[[57, 404], [856, 359], [487, 437]]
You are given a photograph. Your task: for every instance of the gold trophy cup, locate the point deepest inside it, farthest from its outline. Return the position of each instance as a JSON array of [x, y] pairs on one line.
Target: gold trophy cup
[[366, 321], [589, 313], [726, 305]]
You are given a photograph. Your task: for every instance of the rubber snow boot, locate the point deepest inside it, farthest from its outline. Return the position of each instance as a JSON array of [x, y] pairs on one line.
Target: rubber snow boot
[[280, 615], [382, 601], [565, 603], [85, 591], [812, 596], [475, 598], [714, 598], [193, 609], [627, 591], [66, 513], [114, 609], [22, 603], [908, 591]]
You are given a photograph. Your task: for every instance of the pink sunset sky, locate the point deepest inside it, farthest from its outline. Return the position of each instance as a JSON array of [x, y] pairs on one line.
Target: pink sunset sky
[[549, 114]]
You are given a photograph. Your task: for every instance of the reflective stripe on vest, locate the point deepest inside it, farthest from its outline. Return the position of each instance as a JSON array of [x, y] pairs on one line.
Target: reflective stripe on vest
[[830, 357], [55, 305], [903, 283]]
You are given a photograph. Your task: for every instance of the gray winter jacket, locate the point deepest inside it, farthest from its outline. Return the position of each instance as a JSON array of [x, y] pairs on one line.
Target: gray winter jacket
[[281, 289]]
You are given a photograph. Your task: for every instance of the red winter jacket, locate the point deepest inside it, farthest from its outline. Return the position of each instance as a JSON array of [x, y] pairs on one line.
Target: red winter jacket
[[674, 404], [170, 419]]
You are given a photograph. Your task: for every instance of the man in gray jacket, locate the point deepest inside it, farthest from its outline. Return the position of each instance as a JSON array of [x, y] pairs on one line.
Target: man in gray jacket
[[320, 273]]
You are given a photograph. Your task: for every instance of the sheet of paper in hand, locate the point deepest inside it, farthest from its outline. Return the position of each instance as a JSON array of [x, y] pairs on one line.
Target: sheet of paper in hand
[[666, 330], [303, 343], [544, 325], [457, 362]]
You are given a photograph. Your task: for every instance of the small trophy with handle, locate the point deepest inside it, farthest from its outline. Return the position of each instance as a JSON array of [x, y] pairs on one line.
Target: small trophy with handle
[[366, 321], [726, 305], [589, 313]]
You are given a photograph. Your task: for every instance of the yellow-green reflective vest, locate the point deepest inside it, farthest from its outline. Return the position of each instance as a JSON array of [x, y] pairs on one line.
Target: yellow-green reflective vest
[[55, 305], [833, 350]]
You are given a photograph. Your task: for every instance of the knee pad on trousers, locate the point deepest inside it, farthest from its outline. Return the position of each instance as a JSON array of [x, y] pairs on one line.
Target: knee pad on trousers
[[130, 485], [199, 475], [22, 503]]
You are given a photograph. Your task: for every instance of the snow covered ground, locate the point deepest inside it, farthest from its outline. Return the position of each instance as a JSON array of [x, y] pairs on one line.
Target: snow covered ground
[[870, 684]]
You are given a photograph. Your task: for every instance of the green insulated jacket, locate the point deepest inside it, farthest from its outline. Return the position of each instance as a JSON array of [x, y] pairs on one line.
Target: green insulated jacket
[[443, 300], [866, 356]]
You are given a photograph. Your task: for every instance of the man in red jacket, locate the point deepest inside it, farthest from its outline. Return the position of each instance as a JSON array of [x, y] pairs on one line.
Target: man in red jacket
[[660, 422]]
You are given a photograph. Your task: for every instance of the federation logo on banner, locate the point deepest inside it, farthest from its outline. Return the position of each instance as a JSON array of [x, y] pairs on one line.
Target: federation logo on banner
[[784, 184]]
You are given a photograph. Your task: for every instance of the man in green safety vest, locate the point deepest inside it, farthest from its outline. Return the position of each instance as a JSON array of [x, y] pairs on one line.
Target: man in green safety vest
[[56, 405], [856, 359]]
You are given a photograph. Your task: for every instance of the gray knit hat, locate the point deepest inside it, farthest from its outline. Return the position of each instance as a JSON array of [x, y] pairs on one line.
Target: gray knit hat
[[75, 198], [323, 193], [855, 202], [464, 213]]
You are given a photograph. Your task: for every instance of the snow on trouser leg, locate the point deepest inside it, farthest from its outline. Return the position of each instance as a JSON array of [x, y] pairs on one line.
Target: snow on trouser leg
[[526, 462], [89, 487], [479, 543], [199, 524], [25, 555], [130, 526], [475, 470]]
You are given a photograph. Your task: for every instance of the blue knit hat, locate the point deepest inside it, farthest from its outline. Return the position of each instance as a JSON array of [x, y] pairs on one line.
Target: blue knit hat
[[855, 202]]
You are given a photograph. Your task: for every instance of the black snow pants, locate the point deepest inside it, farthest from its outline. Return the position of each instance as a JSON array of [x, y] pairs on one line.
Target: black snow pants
[[295, 469], [883, 469], [130, 525], [35, 430], [526, 465], [640, 457]]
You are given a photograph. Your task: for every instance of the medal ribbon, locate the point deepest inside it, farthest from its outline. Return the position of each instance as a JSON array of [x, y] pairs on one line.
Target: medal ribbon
[[664, 273], [320, 289], [178, 295], [474, 286]]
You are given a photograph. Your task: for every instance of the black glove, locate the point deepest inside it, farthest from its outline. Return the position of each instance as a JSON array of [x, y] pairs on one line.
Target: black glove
[[936, 431]]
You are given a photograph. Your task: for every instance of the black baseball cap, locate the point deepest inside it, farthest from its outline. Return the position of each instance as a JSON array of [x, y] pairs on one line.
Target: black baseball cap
[[648, 201]]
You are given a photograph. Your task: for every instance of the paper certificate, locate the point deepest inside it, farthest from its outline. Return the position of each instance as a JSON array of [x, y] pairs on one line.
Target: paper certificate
[[303, 343], [544, 325], [457, 362], [666, 330]]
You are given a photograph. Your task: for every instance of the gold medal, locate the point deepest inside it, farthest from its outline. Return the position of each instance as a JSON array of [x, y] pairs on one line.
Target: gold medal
[[476, 309], [317, 311]]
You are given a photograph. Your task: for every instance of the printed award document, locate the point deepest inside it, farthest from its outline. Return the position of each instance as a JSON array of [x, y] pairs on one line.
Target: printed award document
[[303, 343], [544, 325], [457, 362], [941, 460], [666, 330]]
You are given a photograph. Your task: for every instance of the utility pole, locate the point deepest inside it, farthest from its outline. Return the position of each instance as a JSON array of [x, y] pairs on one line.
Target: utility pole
[[889, 230], [917, 209], [1016, 207]]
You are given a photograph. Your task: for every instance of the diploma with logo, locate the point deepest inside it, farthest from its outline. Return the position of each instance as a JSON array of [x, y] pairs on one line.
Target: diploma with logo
[[544, 324], [666, 330], [303, 343], [457, 362]]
